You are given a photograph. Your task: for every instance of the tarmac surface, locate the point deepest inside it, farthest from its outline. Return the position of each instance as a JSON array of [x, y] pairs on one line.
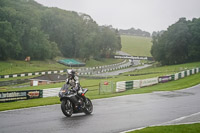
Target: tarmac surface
[[110, 115]]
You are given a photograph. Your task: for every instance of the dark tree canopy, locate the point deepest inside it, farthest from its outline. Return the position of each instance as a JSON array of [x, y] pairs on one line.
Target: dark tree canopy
[[134, 32], [179, 44], [30, 29]]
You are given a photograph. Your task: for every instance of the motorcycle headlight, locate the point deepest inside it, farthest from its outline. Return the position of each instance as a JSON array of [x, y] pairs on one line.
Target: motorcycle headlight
[[62, 91]]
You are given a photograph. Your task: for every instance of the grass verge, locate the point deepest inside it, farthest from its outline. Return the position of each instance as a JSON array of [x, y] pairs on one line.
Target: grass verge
[[184, 128], [16, 66]]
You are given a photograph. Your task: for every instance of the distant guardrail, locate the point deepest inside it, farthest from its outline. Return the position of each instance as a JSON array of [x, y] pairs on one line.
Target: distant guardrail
[[133, 57]]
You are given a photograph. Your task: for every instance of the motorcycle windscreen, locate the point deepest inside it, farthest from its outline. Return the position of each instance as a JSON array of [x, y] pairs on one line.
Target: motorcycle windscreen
[[85, 90], [65, 88]]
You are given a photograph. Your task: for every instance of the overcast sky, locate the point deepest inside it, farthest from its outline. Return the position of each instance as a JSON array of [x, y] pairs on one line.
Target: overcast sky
[[148, 15]]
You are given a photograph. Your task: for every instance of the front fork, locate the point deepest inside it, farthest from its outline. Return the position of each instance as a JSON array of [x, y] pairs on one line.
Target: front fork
[[81, 101]]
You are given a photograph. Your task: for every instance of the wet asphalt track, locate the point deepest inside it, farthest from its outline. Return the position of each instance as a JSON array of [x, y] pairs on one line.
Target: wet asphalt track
[[110, 115]]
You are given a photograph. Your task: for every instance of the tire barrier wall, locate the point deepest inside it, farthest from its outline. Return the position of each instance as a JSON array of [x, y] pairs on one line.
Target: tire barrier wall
[[134, 84]]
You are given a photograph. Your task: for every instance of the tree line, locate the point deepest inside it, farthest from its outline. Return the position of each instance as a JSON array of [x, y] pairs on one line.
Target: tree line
[[135, 32], [179, 44], [30, 29]]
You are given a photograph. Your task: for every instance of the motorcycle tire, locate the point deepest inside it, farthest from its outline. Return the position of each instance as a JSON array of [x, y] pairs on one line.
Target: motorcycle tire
[[66, 107], [88, 107]]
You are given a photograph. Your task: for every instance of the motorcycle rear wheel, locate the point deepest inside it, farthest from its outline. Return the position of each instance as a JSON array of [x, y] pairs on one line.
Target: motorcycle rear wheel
[[66, 107], [88, 107]]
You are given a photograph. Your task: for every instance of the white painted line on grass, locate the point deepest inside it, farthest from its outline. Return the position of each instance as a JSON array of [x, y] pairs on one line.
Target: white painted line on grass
[[168, 123]]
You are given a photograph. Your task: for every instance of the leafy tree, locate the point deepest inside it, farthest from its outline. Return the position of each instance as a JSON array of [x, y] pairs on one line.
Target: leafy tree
[[43, 33], [38, 45], [179, 44], [194, 47], [134, 32], [9, 47]]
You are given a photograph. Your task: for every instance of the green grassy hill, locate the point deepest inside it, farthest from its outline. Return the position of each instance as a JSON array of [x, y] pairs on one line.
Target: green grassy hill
[[17, 66], [136, 46]]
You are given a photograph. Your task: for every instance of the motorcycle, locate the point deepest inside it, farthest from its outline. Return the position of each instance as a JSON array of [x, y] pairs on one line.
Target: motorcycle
[[74, 102]]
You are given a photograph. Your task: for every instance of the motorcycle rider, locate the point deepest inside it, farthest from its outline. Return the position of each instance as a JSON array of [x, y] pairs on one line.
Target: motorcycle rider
[[73, 81]]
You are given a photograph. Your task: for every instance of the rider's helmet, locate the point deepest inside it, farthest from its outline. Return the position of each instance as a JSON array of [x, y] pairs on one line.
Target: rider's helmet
[[71, 73]]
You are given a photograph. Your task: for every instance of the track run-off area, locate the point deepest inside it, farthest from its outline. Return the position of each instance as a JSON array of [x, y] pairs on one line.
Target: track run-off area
[[110, 115]]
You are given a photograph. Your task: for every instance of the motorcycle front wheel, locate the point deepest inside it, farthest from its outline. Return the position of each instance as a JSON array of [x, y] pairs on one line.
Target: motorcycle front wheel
[[66, 107], [88, 107]]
